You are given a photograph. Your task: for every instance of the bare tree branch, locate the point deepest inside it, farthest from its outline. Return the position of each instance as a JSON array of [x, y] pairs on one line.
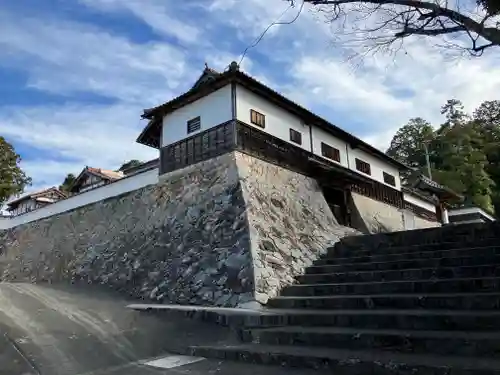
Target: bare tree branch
[[403, 18]]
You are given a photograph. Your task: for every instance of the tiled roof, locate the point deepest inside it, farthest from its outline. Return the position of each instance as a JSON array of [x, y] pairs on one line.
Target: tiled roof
[[151, 164], [426, 184], [37, 195], [105, 173]]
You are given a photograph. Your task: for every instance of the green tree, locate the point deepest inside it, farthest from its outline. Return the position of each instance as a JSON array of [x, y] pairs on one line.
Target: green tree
[[67, 183], [487, 122], [454, 113], [464, 151], [465, 165], [12, 179], [488, 114], [408, 144], [130, 164]]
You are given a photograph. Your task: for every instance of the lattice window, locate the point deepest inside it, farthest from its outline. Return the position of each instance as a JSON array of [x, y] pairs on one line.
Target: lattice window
[[363, 166], [295, 136], [389, 179], [330, 152], [257, 118]]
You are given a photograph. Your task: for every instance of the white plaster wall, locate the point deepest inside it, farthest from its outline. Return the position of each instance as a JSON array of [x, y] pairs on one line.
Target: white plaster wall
[[278, 120], [319, 135], [419, 202], [381, 217], [377, 166], [470, 210], [213, 109], [421, 223], [121, 186]]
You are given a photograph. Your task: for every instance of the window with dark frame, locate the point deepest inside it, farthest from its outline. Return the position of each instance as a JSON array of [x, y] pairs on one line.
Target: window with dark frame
[[363, 166], [389, 179], [295, 136], [194, 125], [330, 152], [257, 118]]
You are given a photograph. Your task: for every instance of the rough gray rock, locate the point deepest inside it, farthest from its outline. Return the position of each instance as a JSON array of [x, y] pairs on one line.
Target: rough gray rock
[[228, 232], [184, 240], [290, 223]]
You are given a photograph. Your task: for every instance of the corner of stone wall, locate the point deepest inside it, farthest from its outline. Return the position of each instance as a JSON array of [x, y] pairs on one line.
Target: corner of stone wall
[[290, 223], [185, 240]]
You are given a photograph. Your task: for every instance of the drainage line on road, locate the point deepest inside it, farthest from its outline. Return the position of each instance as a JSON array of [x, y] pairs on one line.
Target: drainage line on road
[[21, 353]]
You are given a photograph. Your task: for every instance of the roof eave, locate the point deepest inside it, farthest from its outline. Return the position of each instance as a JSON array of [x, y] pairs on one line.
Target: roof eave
[[249, 82], [319, 121]]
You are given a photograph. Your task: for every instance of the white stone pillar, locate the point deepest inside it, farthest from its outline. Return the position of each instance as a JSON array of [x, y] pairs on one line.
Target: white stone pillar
[[446, 220]]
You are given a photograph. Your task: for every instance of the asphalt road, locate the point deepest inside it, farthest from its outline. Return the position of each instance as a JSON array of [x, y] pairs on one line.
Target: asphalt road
[[85, 330]]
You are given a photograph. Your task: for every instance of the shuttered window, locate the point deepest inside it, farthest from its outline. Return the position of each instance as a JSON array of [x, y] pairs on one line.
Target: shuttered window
[[330, 152], [295, 136], [363, 166], [257, 118], [389, 179], [194, 125]]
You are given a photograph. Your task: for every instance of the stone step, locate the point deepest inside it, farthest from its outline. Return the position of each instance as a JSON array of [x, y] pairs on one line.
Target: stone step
[[376, 243], [345, 251], [429, 254], [466, 285], [349, 362], [419, 341], [406, 264], [453, 233], [461, 301], [489, 270], [417, 319]]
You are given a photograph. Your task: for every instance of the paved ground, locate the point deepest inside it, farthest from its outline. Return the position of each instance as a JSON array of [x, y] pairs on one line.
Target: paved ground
[[83, 330]]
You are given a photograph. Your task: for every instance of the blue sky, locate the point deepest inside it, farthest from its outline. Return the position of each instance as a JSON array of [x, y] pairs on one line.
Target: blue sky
[[75, 75]]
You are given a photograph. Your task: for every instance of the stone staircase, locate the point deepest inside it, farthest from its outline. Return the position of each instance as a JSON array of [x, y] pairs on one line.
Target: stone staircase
[[419, 302]]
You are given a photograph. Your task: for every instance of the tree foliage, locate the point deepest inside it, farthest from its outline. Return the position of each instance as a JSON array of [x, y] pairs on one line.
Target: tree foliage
[[67, 183], [130, 164], [12, 178], [464, 151], [464, 24]]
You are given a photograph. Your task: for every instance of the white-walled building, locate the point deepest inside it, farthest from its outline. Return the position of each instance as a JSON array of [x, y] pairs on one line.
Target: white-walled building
[[33, 201], [91, 178], [233, 111]]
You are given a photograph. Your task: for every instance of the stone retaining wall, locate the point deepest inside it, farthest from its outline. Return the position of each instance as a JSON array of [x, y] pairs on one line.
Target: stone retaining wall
[[228, 231], [184, 240], [290, 223]]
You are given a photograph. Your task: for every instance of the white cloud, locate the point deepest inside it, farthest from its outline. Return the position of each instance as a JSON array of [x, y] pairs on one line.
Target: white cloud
[[66, 58], [99, 136], [382, 93], [157, 14]]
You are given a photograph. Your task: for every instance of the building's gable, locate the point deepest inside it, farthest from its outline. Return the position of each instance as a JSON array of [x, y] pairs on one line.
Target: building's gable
[[203, 114]]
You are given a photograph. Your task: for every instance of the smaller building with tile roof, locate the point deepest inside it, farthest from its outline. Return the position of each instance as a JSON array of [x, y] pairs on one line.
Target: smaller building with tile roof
[[35, 200], [91, 178]]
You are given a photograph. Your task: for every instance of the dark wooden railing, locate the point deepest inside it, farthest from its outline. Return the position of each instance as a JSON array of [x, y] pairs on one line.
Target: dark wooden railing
[[221, 139], [200, 147], [264, 146], [421, 212], [380, 192]]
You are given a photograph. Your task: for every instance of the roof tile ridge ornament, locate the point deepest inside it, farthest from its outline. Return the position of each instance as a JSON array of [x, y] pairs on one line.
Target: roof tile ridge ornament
[[234, 67]]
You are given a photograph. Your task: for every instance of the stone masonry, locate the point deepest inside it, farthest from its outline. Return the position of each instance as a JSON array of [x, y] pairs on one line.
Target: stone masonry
[[290, 223], [184, 240], [228, 231]]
